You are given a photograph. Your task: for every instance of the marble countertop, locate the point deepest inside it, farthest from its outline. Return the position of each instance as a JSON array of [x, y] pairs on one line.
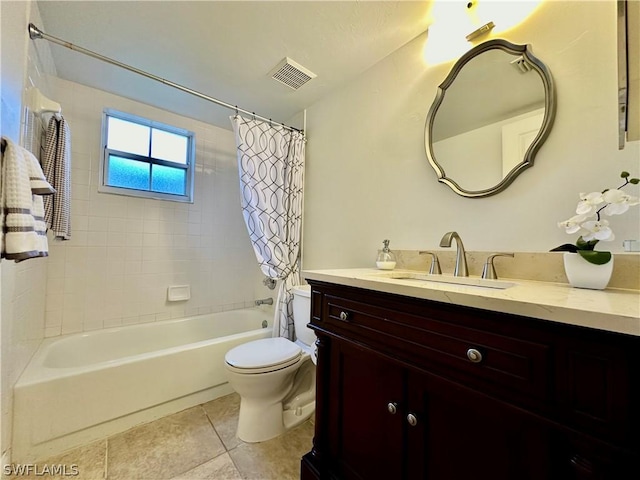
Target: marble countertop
[[614, 310]]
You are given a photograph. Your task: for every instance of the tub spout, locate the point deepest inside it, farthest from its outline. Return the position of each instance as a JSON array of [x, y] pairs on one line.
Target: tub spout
[[264, 301]]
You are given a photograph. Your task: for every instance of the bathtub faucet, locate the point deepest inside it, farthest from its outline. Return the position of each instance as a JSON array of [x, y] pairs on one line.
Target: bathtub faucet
[[265, 301]]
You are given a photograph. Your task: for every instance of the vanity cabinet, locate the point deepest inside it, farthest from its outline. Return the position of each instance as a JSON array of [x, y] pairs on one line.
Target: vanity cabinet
[[410, 388]]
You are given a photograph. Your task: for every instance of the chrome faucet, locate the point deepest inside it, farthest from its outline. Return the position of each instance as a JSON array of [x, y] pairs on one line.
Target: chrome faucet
[[264, 301], [460, 269], [434, 269], [488, 270]]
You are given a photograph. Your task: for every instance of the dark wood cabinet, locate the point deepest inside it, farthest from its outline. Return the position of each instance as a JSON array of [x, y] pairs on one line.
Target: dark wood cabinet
[[413, 389], [464, 434], [362, 450]]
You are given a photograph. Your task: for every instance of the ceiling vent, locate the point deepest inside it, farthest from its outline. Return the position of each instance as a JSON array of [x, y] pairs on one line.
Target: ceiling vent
[[292, 74]]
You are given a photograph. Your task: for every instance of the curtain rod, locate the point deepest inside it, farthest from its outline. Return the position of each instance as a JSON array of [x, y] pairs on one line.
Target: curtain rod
[[35, 33]]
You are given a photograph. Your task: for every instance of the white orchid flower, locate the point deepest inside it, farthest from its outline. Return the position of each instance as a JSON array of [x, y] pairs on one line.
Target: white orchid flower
[[588, 221], [573, 224], [619, 202], [598, 230], [589, 203]]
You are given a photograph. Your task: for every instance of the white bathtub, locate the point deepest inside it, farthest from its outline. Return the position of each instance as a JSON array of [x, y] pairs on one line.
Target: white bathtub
[[83, 387]]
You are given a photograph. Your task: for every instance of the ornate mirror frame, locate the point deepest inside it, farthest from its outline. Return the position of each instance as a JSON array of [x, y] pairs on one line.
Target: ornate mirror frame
[[545, 128]]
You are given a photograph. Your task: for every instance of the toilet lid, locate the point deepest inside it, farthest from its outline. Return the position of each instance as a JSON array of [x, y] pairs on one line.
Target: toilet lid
[[267, 352]]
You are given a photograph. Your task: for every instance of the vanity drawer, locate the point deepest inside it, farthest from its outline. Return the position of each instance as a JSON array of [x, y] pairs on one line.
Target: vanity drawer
[[439, 340]]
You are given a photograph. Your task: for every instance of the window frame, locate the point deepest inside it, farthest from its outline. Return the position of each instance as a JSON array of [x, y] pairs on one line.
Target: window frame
[[189, 166]]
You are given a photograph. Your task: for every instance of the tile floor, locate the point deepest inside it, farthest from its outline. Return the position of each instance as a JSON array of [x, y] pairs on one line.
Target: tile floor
[[197, 443]]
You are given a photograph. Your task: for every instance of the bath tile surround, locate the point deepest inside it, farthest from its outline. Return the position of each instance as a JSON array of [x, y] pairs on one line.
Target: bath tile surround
[[125, 251], [22, 285], [197, 443]]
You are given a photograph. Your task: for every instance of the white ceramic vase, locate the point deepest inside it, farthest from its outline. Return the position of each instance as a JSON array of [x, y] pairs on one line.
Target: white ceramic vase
[[583, 274]]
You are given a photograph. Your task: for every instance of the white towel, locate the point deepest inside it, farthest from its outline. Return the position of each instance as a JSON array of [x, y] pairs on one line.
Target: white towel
[[39, 185], [40, 226], [57, 169], [23, 233]]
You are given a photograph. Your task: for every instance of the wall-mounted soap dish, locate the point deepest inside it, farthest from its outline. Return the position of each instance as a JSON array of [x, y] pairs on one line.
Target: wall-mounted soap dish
[[177, 293]]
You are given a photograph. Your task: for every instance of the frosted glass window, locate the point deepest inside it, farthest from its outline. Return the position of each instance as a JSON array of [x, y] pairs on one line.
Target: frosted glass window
[[145, 158], [169, 146], [128, 137], [127, 173], [168, 179]]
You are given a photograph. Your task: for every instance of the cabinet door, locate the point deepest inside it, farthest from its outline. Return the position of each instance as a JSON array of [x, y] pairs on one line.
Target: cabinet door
[[461, 433], [578, 457], [365, 438]]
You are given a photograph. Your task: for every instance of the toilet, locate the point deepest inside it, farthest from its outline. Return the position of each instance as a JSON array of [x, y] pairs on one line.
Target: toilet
[[275, 377]]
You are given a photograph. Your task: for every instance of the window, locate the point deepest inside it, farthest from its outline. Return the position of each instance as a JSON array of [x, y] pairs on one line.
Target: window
[[144, 158]]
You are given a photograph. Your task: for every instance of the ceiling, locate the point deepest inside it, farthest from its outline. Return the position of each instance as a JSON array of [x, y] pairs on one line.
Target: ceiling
[[227, 49]]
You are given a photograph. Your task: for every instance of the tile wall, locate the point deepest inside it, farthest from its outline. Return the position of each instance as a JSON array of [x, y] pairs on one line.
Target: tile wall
[[22, 285], [126, 251]]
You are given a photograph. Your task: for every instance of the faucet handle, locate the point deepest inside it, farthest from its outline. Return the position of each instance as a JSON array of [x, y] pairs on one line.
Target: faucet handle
[[435, 263], [488, 270], [269, 282]]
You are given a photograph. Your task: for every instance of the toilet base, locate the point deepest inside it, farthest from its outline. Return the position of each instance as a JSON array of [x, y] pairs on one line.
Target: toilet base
[[293, 418], [259, 422]]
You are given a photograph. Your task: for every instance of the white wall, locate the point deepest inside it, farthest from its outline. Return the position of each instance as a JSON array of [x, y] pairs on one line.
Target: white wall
[[125, 251], [22, 285], [367, 176]]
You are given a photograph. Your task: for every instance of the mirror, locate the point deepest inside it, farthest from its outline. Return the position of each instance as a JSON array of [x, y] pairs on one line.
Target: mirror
[[622, 73], [628, 72], [489, 118]]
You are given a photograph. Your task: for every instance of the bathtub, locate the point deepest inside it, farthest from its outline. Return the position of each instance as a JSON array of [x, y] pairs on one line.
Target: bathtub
[[83, 387]]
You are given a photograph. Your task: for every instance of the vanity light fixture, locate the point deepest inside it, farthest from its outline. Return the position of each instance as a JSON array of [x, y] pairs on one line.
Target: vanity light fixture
[[452, 20], [486, 28], [475, 17]]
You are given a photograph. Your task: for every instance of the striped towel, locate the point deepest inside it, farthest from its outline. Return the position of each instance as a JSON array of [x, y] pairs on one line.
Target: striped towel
[[39, 187], [23, 229], [57, 169]]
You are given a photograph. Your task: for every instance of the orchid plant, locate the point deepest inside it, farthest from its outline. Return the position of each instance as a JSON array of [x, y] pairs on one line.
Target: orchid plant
[[589, 223]]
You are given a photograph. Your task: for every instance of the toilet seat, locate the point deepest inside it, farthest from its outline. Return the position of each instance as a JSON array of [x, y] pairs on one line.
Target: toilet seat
[[261, 356]]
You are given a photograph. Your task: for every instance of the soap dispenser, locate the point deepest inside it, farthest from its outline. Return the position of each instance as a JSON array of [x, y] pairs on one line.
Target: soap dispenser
[[386, 258]]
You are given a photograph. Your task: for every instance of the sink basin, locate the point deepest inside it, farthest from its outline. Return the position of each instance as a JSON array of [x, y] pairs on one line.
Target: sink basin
[[425, 277]]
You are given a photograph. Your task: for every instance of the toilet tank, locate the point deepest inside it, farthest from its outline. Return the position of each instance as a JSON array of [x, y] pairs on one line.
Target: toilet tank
[[302, 314]]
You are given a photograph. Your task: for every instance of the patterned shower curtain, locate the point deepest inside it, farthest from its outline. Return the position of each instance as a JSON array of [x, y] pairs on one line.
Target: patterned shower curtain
[[271, 165]]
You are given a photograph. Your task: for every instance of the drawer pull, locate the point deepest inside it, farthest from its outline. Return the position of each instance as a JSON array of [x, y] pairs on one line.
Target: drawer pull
[[474, 355], [344, 316], [392, 407], [412, 419]]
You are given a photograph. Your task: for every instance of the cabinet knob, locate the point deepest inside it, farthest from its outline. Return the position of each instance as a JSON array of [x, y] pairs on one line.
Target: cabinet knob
[[344, 316], [392, 407], [412, 419], [474, 355]]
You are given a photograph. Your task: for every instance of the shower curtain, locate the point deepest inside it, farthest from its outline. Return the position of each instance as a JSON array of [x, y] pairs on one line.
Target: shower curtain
[[271, 166]]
